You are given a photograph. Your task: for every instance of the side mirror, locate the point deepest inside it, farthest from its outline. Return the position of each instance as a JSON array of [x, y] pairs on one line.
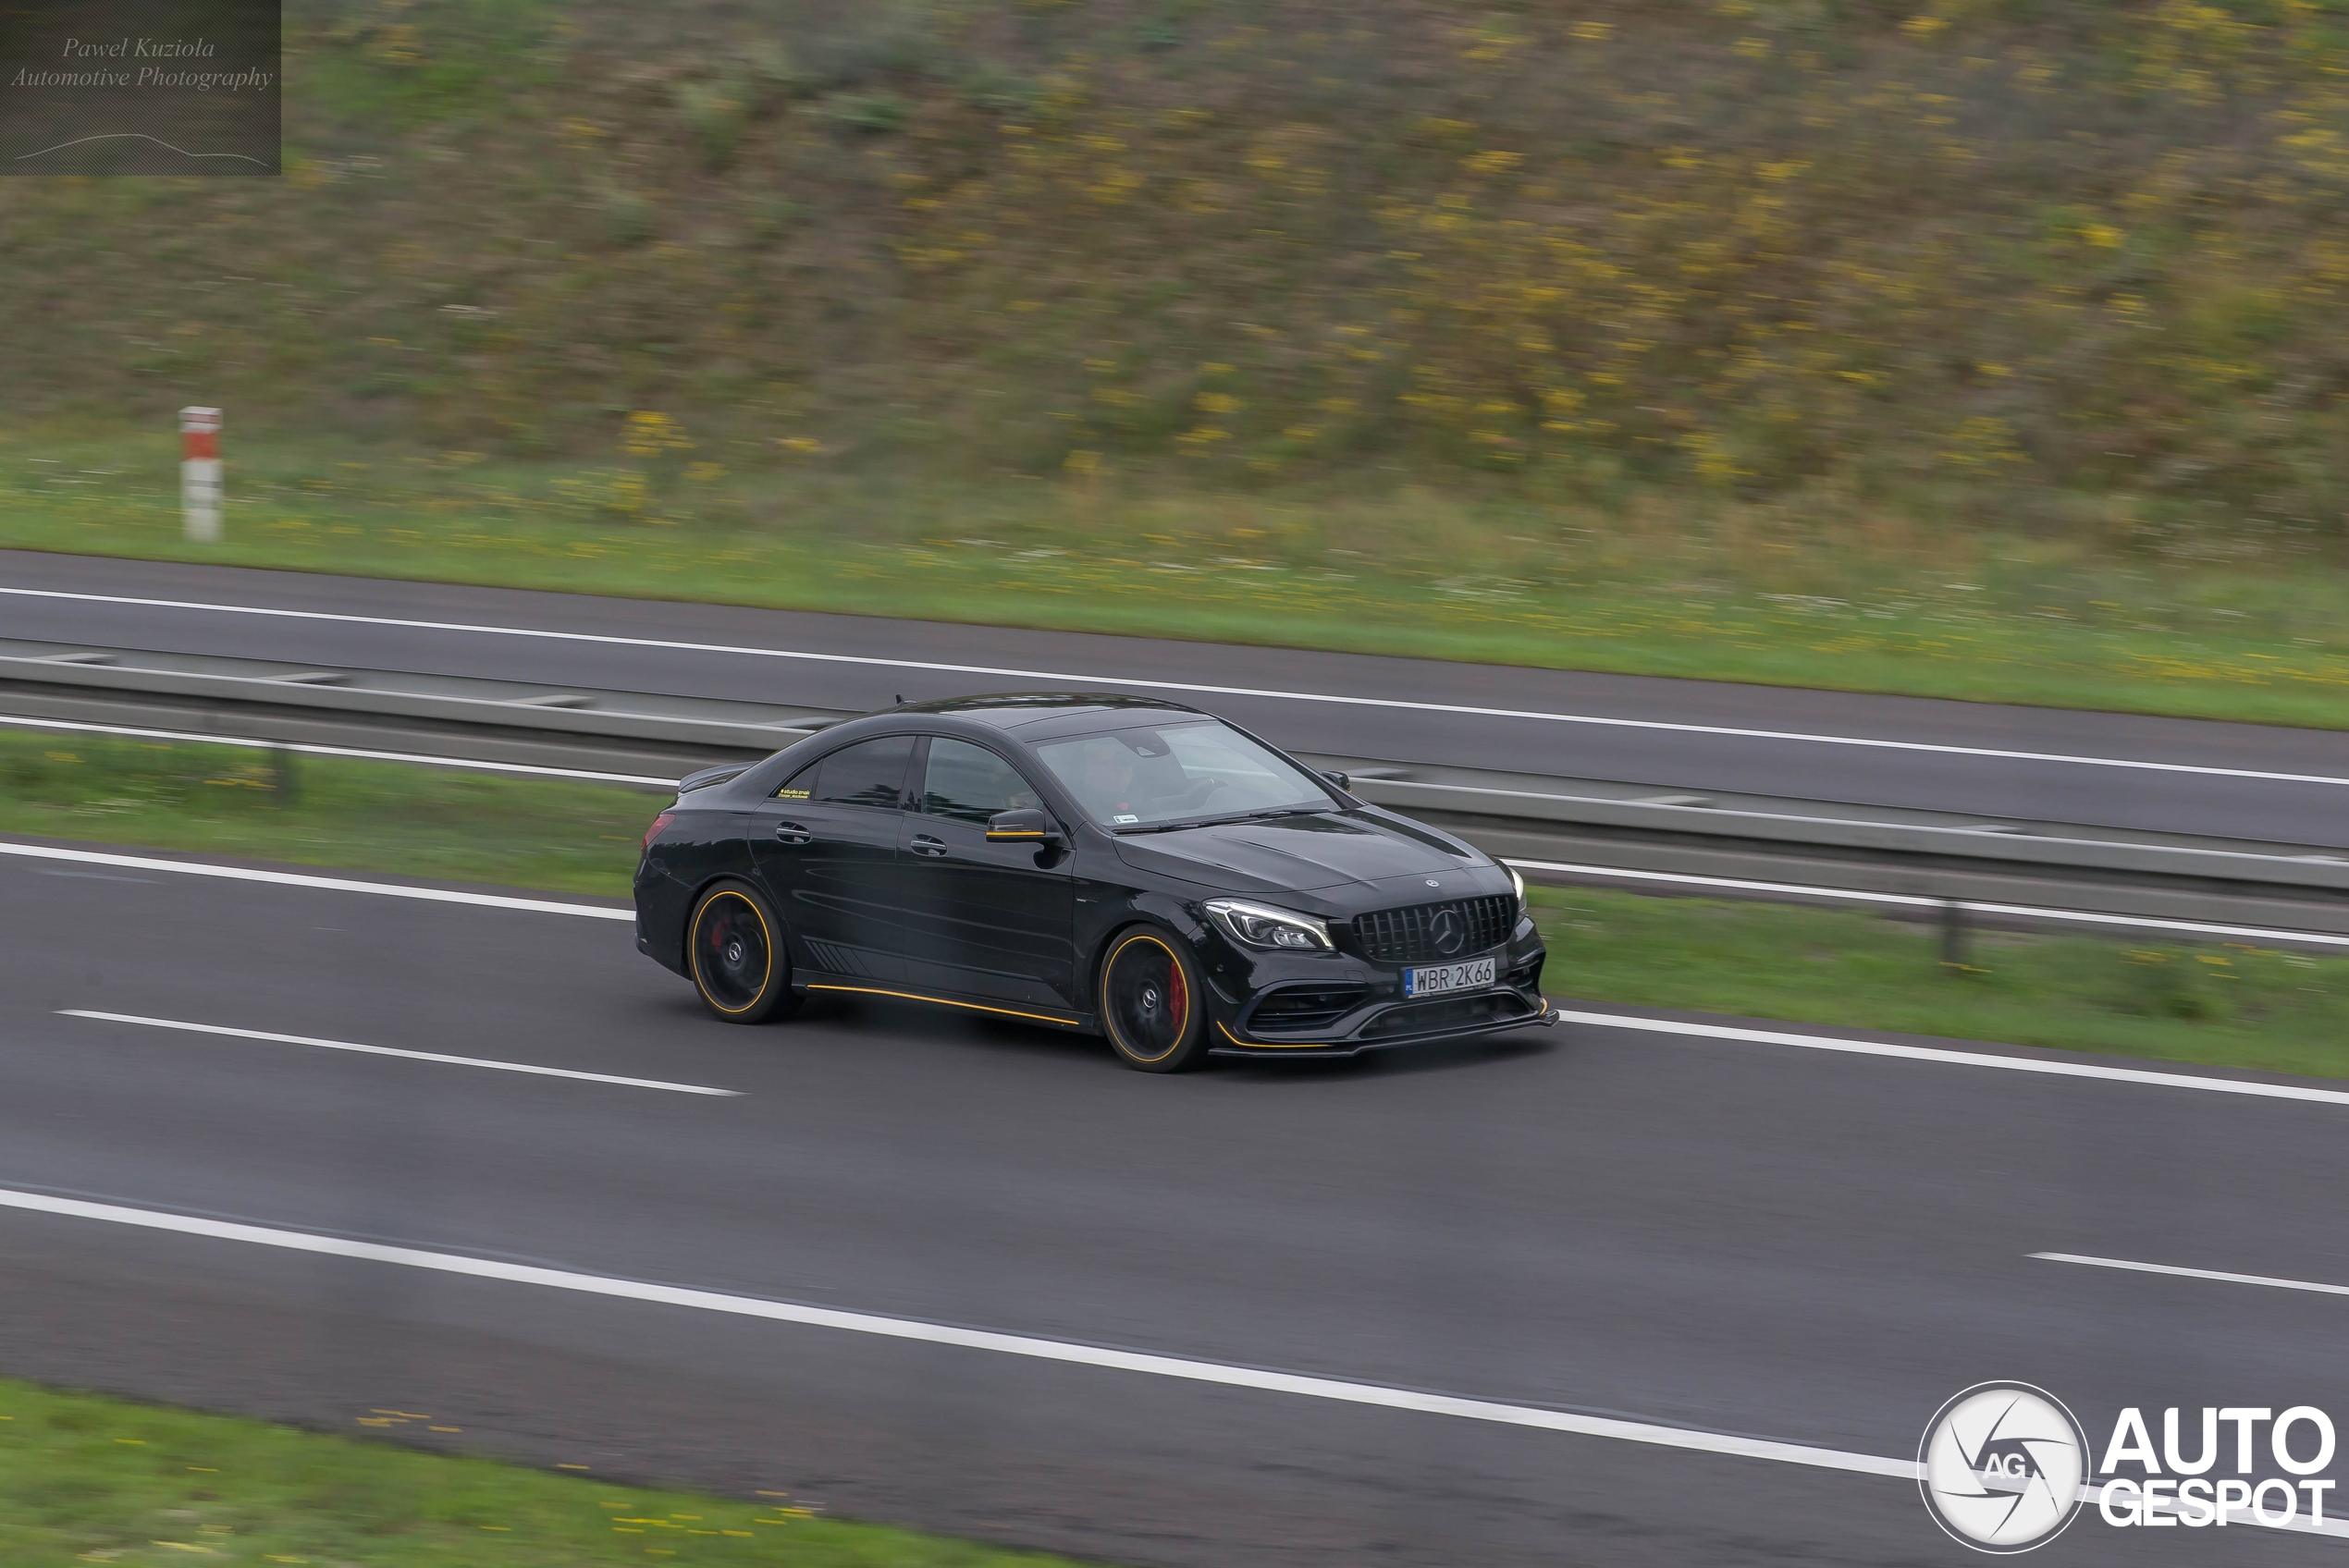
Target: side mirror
[[1027, 826], [1340, 780]]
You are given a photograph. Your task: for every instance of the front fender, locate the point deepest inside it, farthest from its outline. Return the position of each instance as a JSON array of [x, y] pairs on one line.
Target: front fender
[[1110, 911]]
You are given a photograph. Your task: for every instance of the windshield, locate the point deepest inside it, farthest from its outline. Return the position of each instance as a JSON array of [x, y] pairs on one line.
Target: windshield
[[1175, 773]]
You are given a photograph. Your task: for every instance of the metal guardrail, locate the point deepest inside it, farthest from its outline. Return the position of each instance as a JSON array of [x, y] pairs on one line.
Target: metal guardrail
[[1641, 827], [432, 699]]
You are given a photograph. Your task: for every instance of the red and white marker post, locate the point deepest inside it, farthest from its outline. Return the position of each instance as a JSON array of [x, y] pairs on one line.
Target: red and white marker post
[[200, 475]]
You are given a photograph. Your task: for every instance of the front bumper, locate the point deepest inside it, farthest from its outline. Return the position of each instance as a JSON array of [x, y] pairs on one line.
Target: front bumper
[[1531, 1010], [1340, 1004]]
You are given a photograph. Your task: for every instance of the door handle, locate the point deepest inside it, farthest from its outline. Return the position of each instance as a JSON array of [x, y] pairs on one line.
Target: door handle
[[926, 845], [791, 833]]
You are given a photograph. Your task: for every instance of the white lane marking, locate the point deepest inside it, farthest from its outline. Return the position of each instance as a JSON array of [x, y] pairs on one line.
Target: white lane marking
[[976, 1339], [1961, 1059], [470, 764], [297, 879], [1910, 901], [1063, 678], [394, 1050], [2221, 1277], [1221, 1373]]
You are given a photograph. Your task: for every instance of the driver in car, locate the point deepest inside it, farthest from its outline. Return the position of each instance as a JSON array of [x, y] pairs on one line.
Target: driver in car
[[1108, 776]]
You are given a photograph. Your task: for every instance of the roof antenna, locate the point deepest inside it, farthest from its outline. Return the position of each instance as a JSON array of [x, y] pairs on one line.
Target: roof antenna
[[901, 699]]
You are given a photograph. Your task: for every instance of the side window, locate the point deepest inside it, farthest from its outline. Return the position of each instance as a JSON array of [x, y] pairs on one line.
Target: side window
[[870, 773], [801, 785], [970, 783]]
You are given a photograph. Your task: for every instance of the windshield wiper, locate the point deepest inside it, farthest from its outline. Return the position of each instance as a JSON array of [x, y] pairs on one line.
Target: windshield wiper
[[1218, 821]]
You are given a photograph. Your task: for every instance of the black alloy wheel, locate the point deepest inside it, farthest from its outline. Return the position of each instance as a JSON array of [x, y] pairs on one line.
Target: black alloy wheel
[[1152, 1005], [739, 964]]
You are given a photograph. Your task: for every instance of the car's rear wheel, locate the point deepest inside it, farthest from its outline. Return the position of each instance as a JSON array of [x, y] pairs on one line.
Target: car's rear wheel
[[1153, 1007], [739, 964]]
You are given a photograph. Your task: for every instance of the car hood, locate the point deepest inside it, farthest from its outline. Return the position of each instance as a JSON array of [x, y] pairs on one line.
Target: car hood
[[1290, 854]]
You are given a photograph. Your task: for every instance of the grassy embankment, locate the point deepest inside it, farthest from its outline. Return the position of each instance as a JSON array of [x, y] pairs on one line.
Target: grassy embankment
[[2227, 1004], [395, 818], [1753, 597], [88, 1479], [1976, 350]]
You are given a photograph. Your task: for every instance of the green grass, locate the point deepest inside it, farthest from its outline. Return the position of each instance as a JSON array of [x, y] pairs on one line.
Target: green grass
[[88, 1479], [1971, 350], [2227, 1005], [1749, 595], [396, 819]]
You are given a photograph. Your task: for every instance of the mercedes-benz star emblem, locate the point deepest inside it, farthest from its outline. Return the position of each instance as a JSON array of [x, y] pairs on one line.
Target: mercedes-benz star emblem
[[2000, 1467], [1445, 929]]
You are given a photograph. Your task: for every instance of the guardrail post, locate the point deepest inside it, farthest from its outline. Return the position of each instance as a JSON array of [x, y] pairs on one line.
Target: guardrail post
[[200, 475], [284, 785], [1953, 938]]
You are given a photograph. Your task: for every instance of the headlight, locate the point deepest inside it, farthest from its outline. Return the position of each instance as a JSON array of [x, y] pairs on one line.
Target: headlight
[[1260, 926], [1518, 883]]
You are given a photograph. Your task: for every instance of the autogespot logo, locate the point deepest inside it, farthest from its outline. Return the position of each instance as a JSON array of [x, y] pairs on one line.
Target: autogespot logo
[[2000, 1467]]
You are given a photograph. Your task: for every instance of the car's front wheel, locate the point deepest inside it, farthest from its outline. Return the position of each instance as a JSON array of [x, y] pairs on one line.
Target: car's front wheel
[[1153, 1007], [739, 964]]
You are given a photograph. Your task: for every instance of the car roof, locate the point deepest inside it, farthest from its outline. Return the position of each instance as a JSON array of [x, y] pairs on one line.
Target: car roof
[[1036, 715]]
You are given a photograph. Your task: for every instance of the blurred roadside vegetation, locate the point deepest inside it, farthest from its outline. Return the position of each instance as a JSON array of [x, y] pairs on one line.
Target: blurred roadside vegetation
[[2228, 1004], [85, 1478], [400, 818], [2225, 1003], [1976, 346]]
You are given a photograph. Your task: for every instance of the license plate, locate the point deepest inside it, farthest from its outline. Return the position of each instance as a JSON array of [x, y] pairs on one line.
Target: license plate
[[1434, 979]]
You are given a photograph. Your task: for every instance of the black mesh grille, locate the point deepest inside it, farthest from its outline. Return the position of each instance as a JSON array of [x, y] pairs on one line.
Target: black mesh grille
[[1304, 1007], [1409, 936]]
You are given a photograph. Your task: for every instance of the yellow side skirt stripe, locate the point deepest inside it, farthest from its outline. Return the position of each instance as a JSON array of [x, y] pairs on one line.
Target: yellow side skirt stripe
[[945, 1001]]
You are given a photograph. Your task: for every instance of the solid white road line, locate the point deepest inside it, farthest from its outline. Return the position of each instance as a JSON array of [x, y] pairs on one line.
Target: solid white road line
[[1599, 1020], [1224, 1374], [470, 764], [297, 879], [1063, 677], [1910, 901], [1960, 1059], [976, 1338], [2221, 1277], [393, 1051]]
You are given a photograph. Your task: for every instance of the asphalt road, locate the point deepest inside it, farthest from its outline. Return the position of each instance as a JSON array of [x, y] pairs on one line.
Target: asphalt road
[[1841, 767], [1809, 1247]]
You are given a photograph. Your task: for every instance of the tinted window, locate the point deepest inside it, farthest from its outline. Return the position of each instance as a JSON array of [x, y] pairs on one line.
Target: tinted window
[[971, 783], [870, 773]]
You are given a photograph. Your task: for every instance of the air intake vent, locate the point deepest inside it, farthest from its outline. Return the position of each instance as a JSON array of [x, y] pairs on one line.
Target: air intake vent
[[1304, 1008], [1418, 935]]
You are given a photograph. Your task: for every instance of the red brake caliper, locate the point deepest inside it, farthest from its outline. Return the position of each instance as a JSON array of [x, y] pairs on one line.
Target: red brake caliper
[[1179, 997]]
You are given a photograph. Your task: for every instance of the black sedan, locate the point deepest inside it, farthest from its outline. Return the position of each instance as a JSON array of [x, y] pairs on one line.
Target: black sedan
[[1111, 864]]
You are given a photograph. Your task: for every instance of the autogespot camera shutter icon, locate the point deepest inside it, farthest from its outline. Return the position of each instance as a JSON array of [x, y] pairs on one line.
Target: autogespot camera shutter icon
[[2001, 1466]]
